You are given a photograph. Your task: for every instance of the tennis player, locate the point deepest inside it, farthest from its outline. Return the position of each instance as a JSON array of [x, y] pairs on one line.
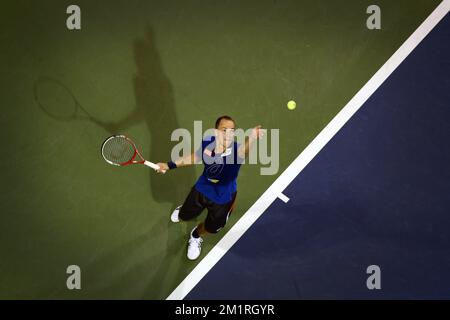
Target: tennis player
[[215, 190]]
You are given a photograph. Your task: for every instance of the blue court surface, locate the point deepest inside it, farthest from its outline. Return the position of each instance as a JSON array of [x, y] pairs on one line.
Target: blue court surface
[[377, 194]]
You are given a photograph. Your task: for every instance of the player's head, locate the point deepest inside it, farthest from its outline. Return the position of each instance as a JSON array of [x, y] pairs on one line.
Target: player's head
[[225, 126]]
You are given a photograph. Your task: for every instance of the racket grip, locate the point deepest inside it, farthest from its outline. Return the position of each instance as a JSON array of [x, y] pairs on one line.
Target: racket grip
[[151, 165]]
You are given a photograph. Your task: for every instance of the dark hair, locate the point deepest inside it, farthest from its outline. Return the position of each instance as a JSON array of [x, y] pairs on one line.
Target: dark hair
[[224, 118]]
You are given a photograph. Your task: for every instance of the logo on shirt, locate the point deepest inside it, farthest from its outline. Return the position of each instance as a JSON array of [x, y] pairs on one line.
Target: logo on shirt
[[213, 171]]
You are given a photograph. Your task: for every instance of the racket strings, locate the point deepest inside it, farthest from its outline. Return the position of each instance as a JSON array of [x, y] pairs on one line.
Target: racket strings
[[118, 150]]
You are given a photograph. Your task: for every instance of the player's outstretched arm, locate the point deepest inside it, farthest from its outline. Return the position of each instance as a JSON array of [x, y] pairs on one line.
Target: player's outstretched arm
[[244, 149], [182, 162]]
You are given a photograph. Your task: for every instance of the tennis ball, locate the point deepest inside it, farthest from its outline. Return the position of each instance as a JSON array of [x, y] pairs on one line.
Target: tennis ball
[[291, 105]]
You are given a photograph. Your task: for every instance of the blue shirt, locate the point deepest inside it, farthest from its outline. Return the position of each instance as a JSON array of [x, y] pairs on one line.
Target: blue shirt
[[218, 180]]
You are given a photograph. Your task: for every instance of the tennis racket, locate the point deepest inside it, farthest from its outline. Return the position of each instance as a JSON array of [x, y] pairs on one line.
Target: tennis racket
[[119, 150]]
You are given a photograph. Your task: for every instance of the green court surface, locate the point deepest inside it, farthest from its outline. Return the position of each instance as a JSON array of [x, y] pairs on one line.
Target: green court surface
[[145, 68]]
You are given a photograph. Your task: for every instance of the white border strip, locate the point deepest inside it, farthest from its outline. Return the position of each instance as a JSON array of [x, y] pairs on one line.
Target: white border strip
[[273, 192], [283, 198]]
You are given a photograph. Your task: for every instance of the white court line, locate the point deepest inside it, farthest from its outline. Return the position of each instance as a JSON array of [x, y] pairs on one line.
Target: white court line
[[269, 196], [283, 197]]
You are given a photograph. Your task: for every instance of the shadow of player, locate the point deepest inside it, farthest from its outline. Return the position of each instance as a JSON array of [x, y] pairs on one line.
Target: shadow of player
[[155, 106]]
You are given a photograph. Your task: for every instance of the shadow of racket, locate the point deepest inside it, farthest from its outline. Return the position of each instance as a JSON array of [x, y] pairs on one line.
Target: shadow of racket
[[58, 102]]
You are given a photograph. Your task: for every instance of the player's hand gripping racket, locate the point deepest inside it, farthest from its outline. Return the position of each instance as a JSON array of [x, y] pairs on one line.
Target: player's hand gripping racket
[[119, 150]]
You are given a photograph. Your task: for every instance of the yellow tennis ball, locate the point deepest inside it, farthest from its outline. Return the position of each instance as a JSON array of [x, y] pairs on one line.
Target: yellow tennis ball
[[291, 105]]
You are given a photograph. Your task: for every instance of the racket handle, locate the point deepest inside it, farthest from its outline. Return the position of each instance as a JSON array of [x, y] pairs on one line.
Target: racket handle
[[151, 165]]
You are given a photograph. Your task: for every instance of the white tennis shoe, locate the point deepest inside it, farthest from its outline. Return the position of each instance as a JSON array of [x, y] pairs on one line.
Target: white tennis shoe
[[175, 215], [194, 247]]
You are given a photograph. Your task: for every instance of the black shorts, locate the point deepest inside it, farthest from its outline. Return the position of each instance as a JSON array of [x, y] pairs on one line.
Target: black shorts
[[217, 216]]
